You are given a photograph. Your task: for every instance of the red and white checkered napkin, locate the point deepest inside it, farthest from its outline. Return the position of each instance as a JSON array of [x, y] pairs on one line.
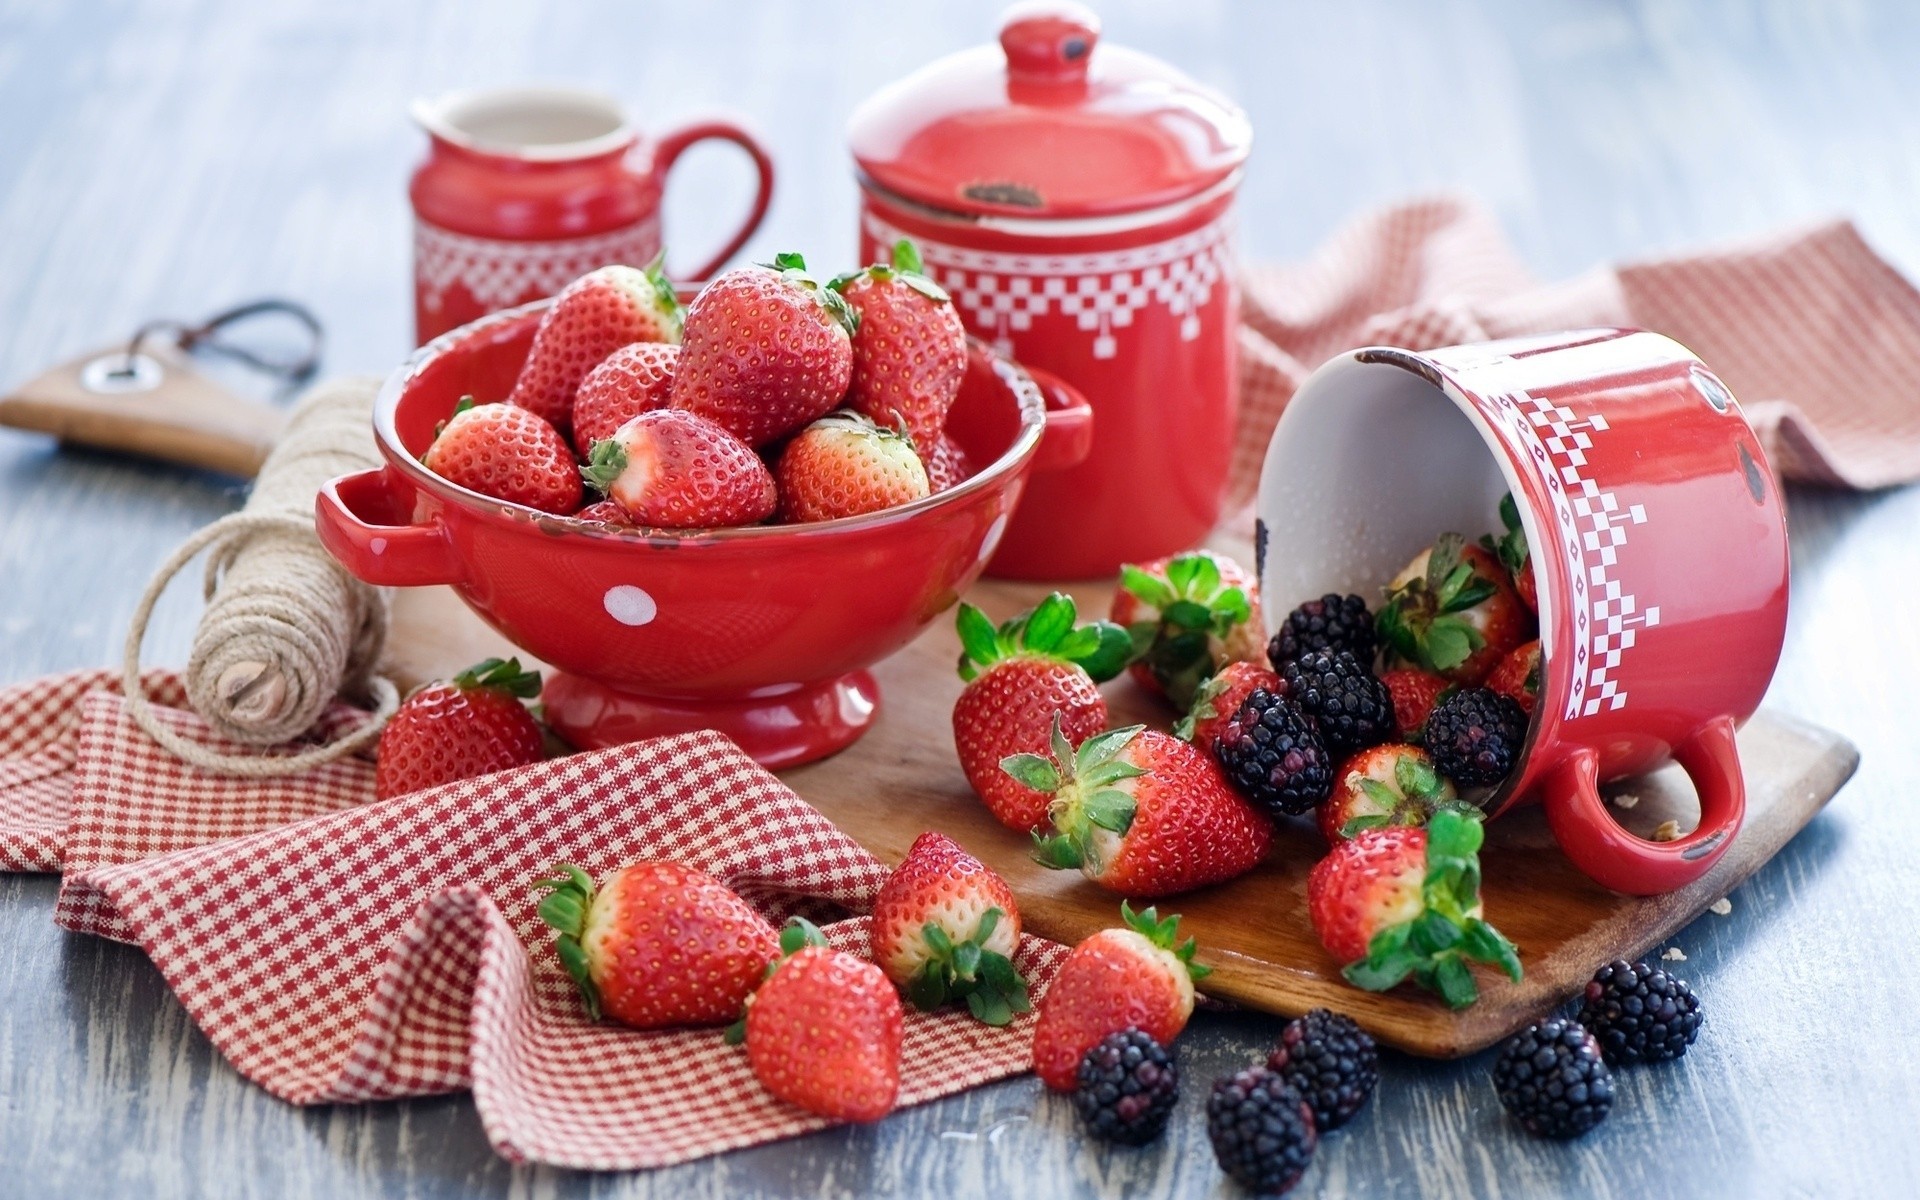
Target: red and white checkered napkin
[[1815, 333], [335, 950]]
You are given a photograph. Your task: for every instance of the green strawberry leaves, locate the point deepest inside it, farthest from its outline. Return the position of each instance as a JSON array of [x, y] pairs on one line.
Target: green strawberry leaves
[[500, 675], [1161, 932], [569, 895], [1420, 622], [986, 979], [666, 297], [1193, 610], [1085, 797], [793, 268], [1511, 546], [1204, 708], [1434, 948], [1048, 630], [905, 267], [605, 462]]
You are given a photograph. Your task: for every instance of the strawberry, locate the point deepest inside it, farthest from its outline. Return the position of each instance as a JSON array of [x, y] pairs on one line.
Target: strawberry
[[1518, 675], [1398, 902], [948, 466], [1019, 678], [508, 453], [910, 350], [767, 349], [1512, 551], [1133, 977], [474, 725], [658, 944], [605, 512], [843, 465], [632, 380], [1414, 694], [824, 1030], [1189, 615], [673, 470], [1220, 697], [1393, 784], [945, 927], [1142, 813], [592, 317], [1453, 611]]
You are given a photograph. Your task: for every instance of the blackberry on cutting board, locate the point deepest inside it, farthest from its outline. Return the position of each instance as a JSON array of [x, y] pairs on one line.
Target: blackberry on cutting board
[[1333, 622], [1331, 1062], [1639, 1013], [1273, 756], [1552, 1080], [1126, 1088], [1351, 709], [1475, 736], [1261, 1129]]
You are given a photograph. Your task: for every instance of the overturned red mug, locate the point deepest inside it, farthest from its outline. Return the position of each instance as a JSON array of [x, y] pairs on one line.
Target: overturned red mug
[[525, 190], [1659, 552]]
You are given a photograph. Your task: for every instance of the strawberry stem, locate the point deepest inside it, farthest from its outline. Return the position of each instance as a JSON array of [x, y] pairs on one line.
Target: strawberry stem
[[569, 898]]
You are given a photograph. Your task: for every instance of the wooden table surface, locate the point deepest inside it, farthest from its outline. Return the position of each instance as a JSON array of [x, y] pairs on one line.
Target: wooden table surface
[[165, 159]]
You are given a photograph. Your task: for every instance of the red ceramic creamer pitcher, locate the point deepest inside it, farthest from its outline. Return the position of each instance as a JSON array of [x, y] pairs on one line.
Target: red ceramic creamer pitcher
[[526, 189], [1659, 553], [1076, 200]]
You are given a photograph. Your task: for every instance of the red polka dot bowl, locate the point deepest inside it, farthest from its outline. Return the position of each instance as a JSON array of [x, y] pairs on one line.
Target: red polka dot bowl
[[765, 633]]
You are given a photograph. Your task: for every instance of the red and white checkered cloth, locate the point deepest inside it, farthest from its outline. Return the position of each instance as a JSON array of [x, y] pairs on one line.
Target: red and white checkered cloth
[[336, 949], [1815, 333]]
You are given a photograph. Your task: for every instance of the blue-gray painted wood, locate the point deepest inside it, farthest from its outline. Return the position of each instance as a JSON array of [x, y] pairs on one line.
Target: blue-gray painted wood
[[171, 157]]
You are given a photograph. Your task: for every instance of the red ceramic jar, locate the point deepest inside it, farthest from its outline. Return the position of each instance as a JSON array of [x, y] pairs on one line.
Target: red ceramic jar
[[1077, 201], [1659, 553], [764, 633], [524, 190]]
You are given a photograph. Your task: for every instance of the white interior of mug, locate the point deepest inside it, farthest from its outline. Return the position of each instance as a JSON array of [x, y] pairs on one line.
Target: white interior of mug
[[1369, 464], [534, 123]]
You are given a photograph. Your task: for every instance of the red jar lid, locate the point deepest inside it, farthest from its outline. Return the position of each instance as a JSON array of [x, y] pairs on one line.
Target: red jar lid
[[1048, 124]]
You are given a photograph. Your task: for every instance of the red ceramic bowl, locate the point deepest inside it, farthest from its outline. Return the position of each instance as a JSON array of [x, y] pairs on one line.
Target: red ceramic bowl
[[763, 633]]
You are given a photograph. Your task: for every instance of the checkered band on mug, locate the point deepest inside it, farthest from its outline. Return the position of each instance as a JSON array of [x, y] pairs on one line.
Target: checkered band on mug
[[498, 274]]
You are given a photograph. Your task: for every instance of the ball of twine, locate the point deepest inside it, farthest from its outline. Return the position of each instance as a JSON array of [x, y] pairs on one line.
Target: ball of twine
[[286, 629]]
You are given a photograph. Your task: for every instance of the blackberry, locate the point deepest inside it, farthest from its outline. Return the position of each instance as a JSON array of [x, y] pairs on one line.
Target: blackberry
[[1551, 1078], [1331, 1062], [1262, 1131], [1127, 1088], [1273, 755], [1639, 1014], [1475, 736], [1333, 622], [1351, 709]]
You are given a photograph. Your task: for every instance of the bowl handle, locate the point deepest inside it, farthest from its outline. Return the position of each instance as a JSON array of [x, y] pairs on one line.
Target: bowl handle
[[1068, 436], [1611, 856], [377, 553]]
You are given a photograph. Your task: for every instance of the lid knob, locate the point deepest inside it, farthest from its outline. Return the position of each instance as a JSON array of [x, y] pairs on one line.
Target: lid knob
[[1048, 41]]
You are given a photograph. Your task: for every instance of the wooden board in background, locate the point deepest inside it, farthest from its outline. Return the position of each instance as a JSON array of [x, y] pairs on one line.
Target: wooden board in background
[[902, 778]]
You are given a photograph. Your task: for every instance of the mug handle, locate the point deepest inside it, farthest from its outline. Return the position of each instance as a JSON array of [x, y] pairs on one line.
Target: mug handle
[[1614, 858], [672, 145], [372, 551], [1067, 437]]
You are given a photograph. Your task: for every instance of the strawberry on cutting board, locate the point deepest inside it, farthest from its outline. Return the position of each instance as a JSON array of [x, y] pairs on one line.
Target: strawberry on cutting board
[[824, 1031], [1414, 693], [1020, 676], [945, 927], [657, 944], [1391, 784], [1453, 611], [673, 470], [632, 380], [910, 350], [766, 350], [1133, 977], [474, 725], [1141, 812], [508, 453], [592, 317], [1397, 902], [844, 465], [1220, 697], [1188, 615]]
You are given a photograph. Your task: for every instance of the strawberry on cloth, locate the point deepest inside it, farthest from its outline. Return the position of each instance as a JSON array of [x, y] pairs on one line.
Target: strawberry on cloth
[[393, 948]]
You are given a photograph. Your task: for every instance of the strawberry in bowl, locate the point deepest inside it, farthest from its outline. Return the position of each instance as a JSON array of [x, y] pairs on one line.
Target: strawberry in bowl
[[660, 617]]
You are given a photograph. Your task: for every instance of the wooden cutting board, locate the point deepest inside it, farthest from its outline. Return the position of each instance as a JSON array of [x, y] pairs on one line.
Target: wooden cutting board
[[902, 778]]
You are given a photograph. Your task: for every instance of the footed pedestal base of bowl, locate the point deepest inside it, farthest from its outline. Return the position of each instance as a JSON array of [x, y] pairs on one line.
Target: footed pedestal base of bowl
[[778, 728]]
